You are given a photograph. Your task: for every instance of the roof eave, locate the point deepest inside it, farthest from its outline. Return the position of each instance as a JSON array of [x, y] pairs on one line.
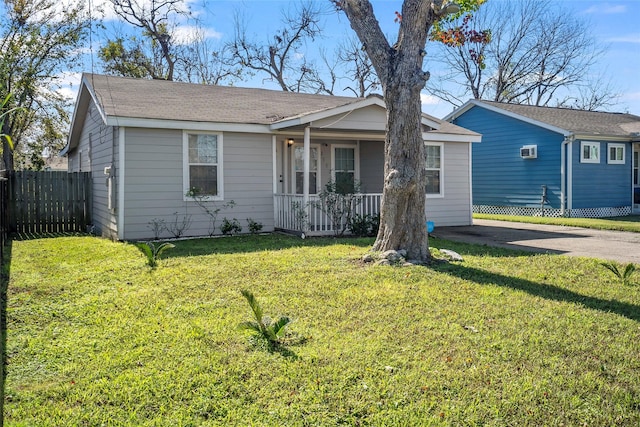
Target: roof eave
[[85, 95], [309, 118], [476, 103]]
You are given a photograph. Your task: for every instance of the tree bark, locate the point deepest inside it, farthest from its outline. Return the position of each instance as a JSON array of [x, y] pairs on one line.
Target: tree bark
[[402, 214], [399, 67]]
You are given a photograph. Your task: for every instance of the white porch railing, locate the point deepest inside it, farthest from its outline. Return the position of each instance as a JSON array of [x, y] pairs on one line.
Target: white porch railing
[[292, 214]]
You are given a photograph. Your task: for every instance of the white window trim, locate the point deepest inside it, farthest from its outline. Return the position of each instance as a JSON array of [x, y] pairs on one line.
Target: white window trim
[[611, 161], [441, 194], [318, 167], [185, 165], [356, 164], [589, 143]]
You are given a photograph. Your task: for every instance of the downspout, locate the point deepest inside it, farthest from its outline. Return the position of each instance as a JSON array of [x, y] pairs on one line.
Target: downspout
[[470, 183], [566, 174]]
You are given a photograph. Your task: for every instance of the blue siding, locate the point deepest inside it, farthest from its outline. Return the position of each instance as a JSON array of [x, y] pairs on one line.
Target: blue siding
[[500, 176], [598, 185]]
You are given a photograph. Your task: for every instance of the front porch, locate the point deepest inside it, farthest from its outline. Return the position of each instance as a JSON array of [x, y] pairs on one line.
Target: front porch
[[294, 214]]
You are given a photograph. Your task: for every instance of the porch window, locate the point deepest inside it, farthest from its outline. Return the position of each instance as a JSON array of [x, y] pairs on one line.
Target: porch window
[[433, 166], [203, 169], [345, 169], [589, 152], [298, 169], [615, 154]]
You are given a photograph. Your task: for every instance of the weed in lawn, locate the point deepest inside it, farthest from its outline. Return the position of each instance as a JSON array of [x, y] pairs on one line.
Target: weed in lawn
[[264, 327], [153, 251], [624, 276]]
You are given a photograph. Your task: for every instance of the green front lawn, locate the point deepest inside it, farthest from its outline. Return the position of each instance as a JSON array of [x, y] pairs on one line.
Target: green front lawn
[[95, 337]]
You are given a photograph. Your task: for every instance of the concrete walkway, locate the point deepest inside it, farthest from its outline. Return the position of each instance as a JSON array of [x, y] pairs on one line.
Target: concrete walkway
[[610, 245]]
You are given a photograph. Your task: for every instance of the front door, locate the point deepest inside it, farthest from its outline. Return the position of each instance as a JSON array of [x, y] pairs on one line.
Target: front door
[[298, 168], [636, 178]]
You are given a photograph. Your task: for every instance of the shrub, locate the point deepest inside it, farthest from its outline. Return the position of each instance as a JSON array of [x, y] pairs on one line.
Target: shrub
[[230, 226], [179, 225], [157, 225], [210, 207], [338, 201], [364, 225], [254, 226]]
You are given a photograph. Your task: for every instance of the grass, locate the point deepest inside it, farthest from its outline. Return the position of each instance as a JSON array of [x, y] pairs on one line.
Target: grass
[[96, 337], [622, 223]]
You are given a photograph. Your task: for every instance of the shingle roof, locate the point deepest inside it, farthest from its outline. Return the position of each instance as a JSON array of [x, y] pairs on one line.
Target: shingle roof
[[123, 97], [160, 99], [576, 121]]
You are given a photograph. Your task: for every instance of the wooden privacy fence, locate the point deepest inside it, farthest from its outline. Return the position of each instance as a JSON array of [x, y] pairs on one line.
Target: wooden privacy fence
[[49, 202]]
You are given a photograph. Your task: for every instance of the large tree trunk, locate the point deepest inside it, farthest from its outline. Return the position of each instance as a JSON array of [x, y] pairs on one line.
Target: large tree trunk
[[402, 214], [399, 68]]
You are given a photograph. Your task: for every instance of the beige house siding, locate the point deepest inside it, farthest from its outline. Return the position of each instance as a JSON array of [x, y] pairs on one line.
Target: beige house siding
[[154, 187], [455, 207], [95, 152]]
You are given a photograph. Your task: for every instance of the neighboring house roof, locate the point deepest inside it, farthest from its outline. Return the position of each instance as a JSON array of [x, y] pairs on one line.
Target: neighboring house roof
[[563, 120], [122, 101]]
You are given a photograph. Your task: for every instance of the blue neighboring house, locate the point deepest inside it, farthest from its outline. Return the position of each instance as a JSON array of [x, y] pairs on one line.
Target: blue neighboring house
[[552, 161]]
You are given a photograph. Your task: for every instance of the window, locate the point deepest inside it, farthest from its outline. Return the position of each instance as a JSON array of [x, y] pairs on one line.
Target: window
[[298, 169], [344, 167], [203, 169], [433, 166], [589, 152], [615, 154]]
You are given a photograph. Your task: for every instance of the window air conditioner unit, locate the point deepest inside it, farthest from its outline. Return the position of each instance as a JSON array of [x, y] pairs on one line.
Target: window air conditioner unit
[[529, 152]]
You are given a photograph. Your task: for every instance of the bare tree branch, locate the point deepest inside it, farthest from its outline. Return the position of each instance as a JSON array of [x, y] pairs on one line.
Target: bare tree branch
[[280, 58]]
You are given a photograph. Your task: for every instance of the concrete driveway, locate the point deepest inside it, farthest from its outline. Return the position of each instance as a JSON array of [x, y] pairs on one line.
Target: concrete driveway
[[611, 245]]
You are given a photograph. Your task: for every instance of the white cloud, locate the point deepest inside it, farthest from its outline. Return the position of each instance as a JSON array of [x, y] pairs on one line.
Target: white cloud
[[607, 9], [629, 38], [186, 33], [429, 99], [105, 8], [67, 84]]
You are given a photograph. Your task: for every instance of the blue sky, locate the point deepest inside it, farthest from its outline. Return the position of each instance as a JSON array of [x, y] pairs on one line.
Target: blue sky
[[615, 26]]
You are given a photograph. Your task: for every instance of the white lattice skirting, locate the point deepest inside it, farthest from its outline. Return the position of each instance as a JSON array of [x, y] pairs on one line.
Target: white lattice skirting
[[571, 213]]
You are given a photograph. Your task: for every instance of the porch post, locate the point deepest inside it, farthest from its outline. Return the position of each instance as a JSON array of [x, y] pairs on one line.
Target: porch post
[[306, 166]]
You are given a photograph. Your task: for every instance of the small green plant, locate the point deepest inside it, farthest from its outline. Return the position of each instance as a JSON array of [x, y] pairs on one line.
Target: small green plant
[[153, 251], [625, 275], [254, 226], [364, 225], [264, 327], [230, 227]]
